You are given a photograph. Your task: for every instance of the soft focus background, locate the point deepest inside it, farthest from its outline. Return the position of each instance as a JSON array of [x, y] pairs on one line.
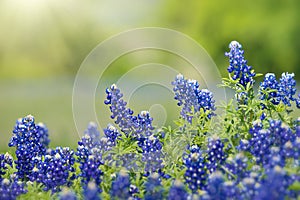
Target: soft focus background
[[43, 43]]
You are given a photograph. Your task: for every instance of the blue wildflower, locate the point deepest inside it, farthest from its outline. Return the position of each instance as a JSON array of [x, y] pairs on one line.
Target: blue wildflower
[[91, 192], [237, 165], [152, 155], [123, 116], [249, 188], [274, 186], [287, 88], [195, 175], [217, 188], [188, 95], [120, 187], [238, 65], [283, 90], [111, 133], [269, 89], [153, 188], [5, 161], [31, 141], [90, 170], [215, 153], [56, 169], [177, 191], [11, 189]]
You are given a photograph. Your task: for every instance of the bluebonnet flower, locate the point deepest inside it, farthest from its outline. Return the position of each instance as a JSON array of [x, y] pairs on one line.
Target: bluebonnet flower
[[217, 188], [67, 194], [111, 133], [275, 158], [280, 133], [5, 160], [274, 186], [56, 169], [139, 126], [283, 90], [177, 191], [11, 189], [92, 131], [91, 192], [242, 98], [249, 188], [31, 141], [237, 165], [120, 187], [90, 171], [195, 175], [143, 125], [287, 88], [90, 154], [238, 65], [215, 153], [153, 188], [269, 89], [188, 95], [152, 155], [123, 116]]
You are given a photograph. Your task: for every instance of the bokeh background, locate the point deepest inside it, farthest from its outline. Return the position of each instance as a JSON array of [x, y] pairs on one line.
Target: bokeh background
[[44, 42]]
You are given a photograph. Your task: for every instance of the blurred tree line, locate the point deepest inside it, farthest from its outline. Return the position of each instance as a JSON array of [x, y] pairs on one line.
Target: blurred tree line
[[48, 38]]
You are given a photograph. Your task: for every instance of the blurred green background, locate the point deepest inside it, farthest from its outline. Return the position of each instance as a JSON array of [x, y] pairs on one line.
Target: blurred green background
[[43, 43]]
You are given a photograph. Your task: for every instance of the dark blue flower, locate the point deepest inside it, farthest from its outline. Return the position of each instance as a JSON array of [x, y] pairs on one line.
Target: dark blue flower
[[217, 188], [287, 88], [123, 116], [120, 187], [237, 165], [238, 65], [191, 98], [153, 188], [91, 192], [215, 153], [274, 186], [269, 89], [55, 170], [5, 161], [152, 154], [11, 189], [195, 175], [283, 90], [249, 188], [31, 141], [177, 191]]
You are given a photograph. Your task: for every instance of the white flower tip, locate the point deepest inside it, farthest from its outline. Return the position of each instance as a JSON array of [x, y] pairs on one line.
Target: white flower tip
[[234, 44]]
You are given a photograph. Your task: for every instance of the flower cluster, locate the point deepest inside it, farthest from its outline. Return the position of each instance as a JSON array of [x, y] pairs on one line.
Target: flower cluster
[[5, 161], [215, 153], [11, 189], [139, 128], [188, 95], [238, 65], [89, 154], [123, 116], [153, 188], [120, 187], [250, 152], [277, 135], [195, 175], [177, 191], [31, 141], [283, 90], [55, 170]]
